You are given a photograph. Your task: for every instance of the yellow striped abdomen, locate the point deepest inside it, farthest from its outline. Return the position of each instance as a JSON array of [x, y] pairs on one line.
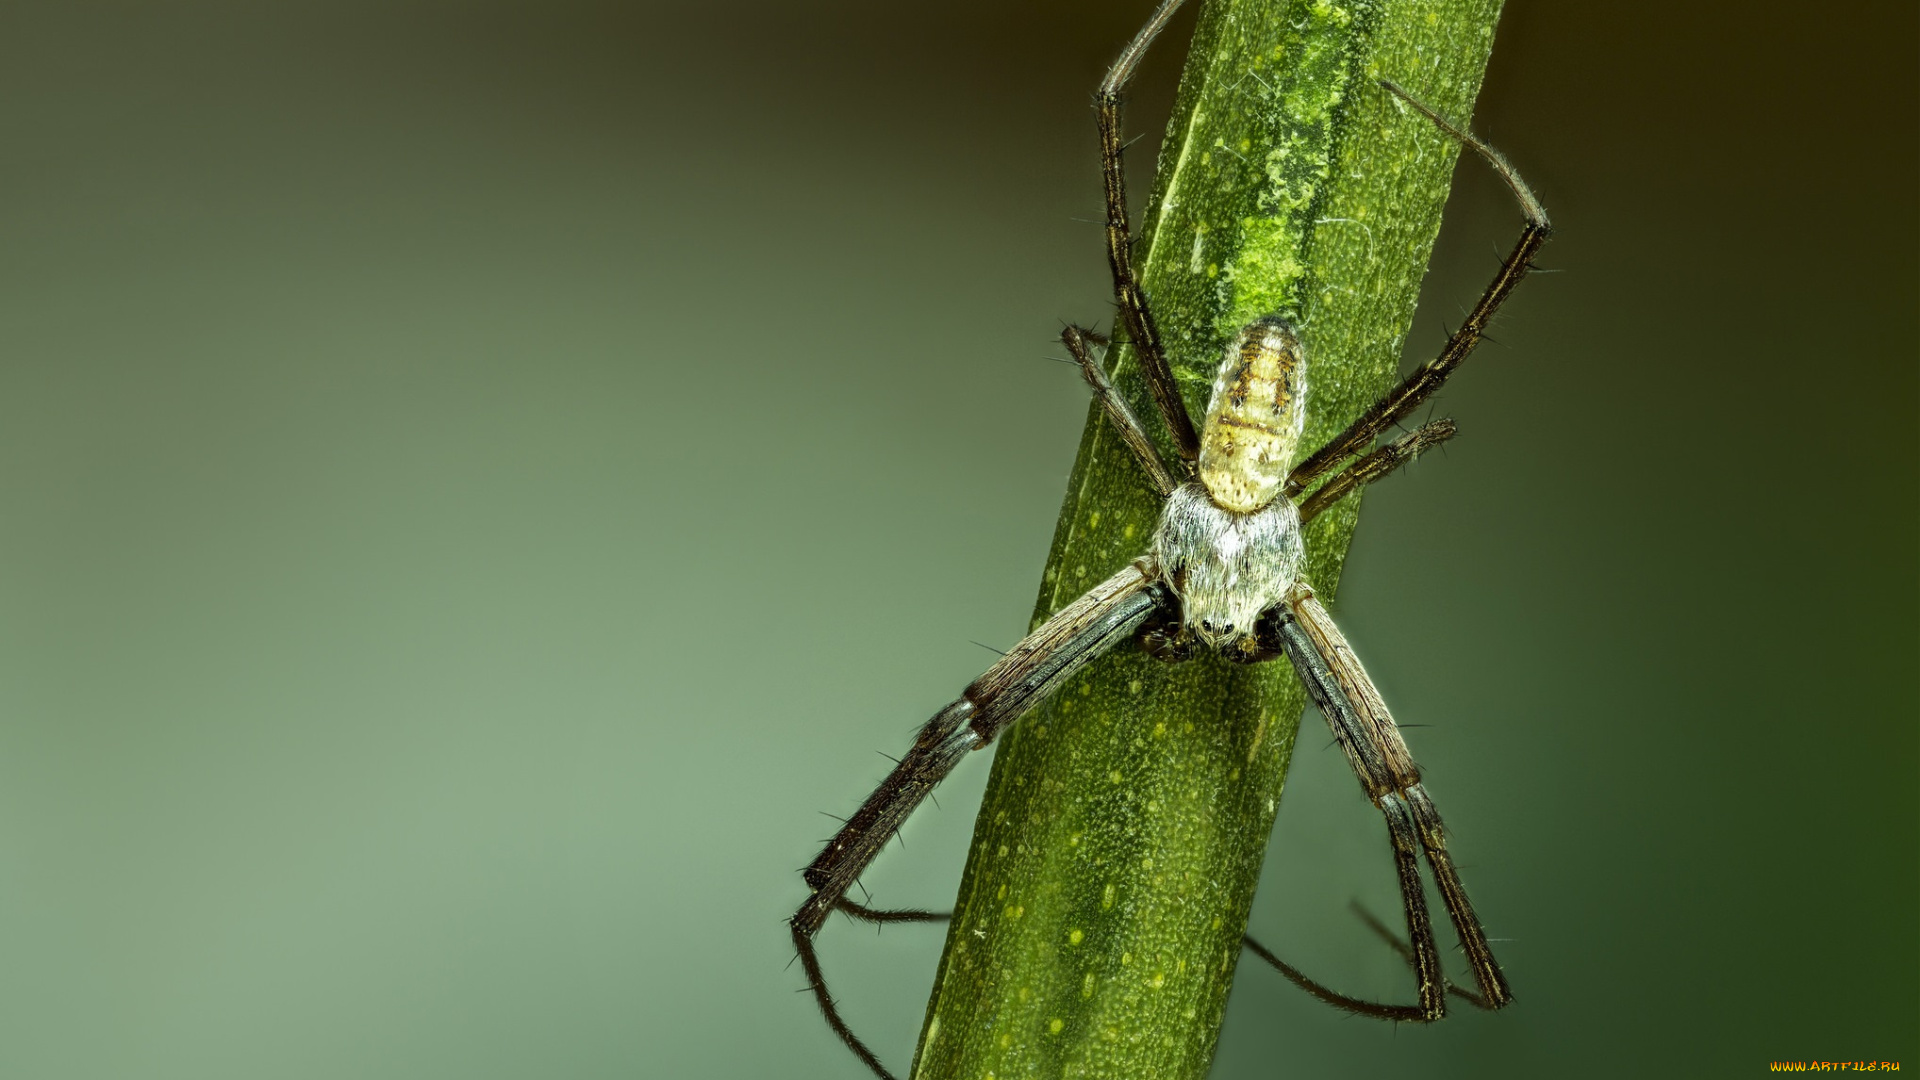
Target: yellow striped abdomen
[[1252, 431]]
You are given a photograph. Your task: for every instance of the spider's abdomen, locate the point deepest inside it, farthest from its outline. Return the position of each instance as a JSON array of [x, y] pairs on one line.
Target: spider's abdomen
[[1252, 430]]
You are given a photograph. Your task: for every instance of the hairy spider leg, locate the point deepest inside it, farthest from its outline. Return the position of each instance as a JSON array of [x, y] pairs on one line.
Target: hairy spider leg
[[1366, 732], [1364, 750], [1077, 339], [1127, 293], [1416, 388], [1360, 1006], [1380, 462], [1330, 996], [1107, 615], [1405, 951], [882, 916]]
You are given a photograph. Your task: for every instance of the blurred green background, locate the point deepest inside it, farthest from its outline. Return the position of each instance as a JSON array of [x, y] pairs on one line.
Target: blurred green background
[[477, 479]]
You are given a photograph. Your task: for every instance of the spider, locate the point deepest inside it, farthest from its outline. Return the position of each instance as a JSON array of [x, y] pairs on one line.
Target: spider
[[1223, 573]]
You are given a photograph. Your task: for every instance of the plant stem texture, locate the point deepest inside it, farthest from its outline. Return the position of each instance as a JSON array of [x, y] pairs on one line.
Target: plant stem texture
[[1115, 857]]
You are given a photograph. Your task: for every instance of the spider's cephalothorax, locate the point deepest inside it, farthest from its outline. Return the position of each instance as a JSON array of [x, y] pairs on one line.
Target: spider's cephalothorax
[[1227, 545]]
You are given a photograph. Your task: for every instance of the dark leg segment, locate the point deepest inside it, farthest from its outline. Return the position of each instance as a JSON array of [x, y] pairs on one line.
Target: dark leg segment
[[882, 916], [1076, 634], [1399, 945], [1402, 400], [1127, 294], [1369, 758], [1401, 451], [1360, 1006], [1125, 423], [1386, 770], [1330, 996]]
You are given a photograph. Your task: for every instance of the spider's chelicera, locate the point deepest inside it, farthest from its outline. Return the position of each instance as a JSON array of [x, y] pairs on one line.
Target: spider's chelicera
[[1222, 573]]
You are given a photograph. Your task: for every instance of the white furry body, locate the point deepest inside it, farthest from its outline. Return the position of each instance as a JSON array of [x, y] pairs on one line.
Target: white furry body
[[1227, 545], [1226, 567]]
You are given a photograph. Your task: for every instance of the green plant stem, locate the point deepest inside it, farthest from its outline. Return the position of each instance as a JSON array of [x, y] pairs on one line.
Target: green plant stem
[[1115, 857]]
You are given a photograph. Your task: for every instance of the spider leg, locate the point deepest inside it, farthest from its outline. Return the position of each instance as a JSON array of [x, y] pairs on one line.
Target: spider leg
[[1360, 1006], [1419, 386], [1127, 293], [1331, 996], [1366, 731], [1131, 432], [882, 916], [1369, 759], [1379, 463], [1399, 945], [1090, 626]]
